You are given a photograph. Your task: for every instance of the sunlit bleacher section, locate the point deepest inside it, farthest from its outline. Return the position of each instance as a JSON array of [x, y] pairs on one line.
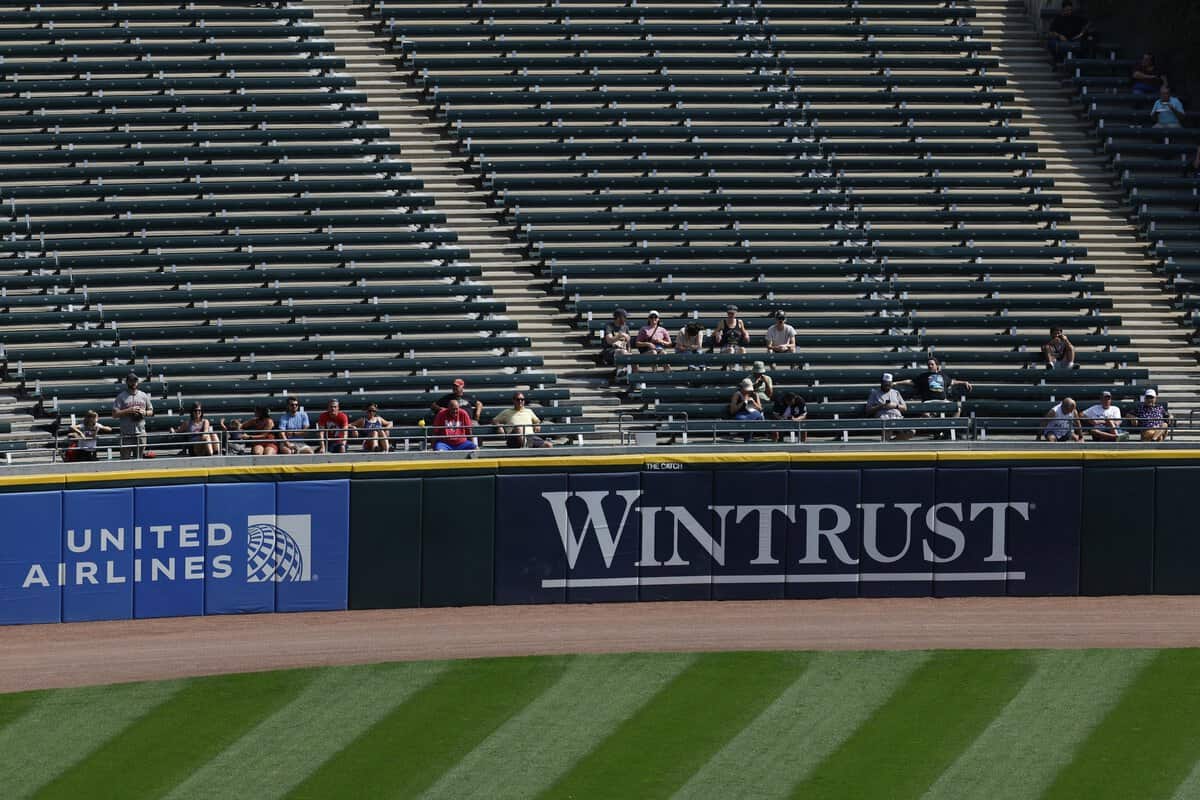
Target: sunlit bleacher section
[[195, 193], [1156, 166], [855, 164]]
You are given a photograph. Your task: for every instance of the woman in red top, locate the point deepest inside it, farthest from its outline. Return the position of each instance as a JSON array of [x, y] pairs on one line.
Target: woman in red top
[[453, 427]]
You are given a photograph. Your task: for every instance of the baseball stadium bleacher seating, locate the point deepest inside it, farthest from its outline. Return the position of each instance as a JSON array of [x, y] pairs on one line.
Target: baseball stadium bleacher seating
[[854, 164], [1156, 166], [195, 192]]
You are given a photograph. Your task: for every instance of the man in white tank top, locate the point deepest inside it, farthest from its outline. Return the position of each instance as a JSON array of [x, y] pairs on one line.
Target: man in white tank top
[[1062, 423]]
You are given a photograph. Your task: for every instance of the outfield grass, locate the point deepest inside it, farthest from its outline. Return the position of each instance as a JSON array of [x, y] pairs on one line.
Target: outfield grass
[[1121, 724]]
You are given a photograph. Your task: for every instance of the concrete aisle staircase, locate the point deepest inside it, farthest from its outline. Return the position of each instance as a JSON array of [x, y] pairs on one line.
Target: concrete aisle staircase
[[1098, 209], [458, 194]]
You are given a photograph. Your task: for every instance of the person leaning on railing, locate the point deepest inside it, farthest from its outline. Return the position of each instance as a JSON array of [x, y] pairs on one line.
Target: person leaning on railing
[[84, 438], [258, 432]]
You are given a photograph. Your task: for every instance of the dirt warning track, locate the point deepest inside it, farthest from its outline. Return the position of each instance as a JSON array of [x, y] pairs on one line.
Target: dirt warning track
[[50, 656]]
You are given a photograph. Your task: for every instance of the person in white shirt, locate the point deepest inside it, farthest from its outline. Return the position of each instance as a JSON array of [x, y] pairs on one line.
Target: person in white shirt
[[781, 337], [1062, 423], [886, 403], [1104, 419]]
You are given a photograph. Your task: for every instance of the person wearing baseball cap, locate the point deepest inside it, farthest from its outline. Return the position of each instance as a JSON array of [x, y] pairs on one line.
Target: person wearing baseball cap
[[458, 392], [1152, 417], [131, 408], [654, 339], [781, 337], [1103, 419], [886, 403], [730, 334]]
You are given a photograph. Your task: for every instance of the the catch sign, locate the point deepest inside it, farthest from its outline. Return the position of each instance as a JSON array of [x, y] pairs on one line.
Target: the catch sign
[[787, 533]]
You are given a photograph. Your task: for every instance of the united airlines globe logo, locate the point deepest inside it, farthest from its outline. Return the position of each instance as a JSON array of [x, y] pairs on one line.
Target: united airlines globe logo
[[273, 555]]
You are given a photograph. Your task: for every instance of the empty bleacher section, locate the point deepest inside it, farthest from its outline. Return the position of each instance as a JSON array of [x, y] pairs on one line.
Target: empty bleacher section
[[198, 193], [860, 165]]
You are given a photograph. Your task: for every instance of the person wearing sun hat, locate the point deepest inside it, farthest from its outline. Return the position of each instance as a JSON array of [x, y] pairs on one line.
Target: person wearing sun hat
[[764, 387]]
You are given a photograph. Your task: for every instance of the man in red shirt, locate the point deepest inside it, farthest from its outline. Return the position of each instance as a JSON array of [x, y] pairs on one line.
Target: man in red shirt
[[452, 425], [332, 426]]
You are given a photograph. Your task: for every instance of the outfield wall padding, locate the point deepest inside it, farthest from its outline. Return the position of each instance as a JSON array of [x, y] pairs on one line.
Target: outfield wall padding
[[385, 550], [1118, 517], [586, 530], [1176, 535]]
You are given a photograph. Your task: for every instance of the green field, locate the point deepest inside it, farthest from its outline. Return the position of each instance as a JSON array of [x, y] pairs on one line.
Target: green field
[[949, 724]]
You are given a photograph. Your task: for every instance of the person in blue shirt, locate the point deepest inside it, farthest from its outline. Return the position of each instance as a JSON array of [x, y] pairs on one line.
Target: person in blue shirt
[[1167, 110], [293, 427]]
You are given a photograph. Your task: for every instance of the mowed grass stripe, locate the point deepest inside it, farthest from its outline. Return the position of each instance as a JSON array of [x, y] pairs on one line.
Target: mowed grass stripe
[[331, 712], [811, 719], [14, 706], [63, 727], [655, 751], [529, 752], [169, 742], [404, 753], [1019, 754], [912, 738], [1148, 743]]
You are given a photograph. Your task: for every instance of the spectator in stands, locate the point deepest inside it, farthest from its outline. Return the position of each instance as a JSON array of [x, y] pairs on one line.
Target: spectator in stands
[[452, 427], [201, 439], [1061, 423], [744, 404], [85, 437], [333, 426], [1196, 164], [653, 338], [1103, 419], [519, 424], [374, 430], [764, 387], [731, 335], [933, 385], [1068, 29], [1147, 79], [790, 406], [690, 338], [458, 392], [1059, 352], [885, 402], [781, 337], [1167, 110], [1152, 417], [131, 408], [616, 337], [292, 427], [258, 432]]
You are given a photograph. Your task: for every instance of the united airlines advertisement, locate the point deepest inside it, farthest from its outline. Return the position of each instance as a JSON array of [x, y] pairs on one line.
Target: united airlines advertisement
[[166, 551]]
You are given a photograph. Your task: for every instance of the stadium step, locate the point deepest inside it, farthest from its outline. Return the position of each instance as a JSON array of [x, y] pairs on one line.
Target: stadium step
[[566, 351], [1083, 175]]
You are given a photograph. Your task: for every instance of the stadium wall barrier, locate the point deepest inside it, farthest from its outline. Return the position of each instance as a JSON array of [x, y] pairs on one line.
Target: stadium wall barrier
[[588, 529]]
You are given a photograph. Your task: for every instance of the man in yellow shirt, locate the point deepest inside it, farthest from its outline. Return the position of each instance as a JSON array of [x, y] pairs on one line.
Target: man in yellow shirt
[[519, 424]]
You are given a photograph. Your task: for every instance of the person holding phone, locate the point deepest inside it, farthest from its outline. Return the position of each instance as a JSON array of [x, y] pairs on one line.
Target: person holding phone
[[1059, 352]]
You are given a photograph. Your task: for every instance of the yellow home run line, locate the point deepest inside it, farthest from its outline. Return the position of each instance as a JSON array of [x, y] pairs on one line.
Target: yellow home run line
[[349, 469]]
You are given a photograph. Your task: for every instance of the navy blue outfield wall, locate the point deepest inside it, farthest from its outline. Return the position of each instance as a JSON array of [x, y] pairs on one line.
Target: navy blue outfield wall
[[566, 530]]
